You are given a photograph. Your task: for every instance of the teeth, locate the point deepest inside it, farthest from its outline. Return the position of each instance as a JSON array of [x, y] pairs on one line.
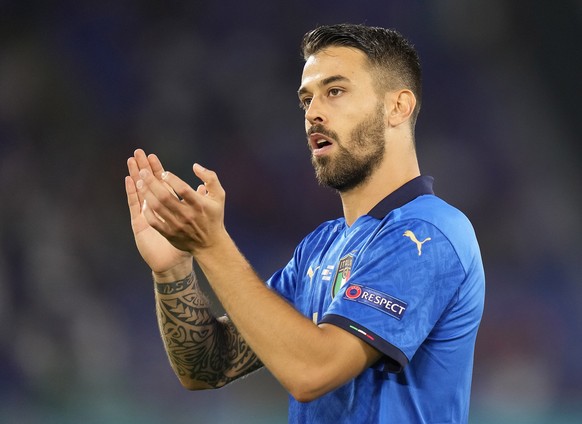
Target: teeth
[[321, 142]]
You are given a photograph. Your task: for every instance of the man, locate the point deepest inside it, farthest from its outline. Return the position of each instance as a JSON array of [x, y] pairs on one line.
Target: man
[[375, 317]]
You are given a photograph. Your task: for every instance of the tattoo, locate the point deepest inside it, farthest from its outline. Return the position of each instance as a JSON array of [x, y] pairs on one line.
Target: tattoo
[[200, 347], [172, 288]]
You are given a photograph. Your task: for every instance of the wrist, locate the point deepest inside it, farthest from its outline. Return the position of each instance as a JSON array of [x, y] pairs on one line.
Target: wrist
[[175, 287], [218, 249], [220, 259], [176, 273]]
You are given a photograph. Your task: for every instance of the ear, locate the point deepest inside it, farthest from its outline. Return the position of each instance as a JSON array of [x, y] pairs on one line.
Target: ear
[[399, 106]]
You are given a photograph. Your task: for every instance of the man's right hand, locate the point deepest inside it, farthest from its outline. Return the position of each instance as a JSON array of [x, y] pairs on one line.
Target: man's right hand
[[167, 263]]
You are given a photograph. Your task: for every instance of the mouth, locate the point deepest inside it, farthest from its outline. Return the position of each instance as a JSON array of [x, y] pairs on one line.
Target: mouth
[[319, 143]]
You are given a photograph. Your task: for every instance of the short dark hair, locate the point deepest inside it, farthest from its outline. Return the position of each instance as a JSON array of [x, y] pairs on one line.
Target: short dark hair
[[386, 49]]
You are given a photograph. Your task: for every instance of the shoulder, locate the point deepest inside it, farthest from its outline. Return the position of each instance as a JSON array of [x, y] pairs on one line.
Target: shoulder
[[431, 224], [441, 220], [434, 211]]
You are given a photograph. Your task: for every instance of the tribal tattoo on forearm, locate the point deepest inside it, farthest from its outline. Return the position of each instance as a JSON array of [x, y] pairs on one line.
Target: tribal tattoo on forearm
[[200, 346]]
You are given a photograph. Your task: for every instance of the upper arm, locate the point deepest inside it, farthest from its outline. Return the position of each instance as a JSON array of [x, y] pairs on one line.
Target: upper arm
[[346, 357]]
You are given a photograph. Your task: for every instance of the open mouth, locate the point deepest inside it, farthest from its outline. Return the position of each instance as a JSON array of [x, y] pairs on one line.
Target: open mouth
[[319, 142]]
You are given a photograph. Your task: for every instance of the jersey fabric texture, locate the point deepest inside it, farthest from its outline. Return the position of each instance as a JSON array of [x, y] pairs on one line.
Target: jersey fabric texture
[[408, 279]]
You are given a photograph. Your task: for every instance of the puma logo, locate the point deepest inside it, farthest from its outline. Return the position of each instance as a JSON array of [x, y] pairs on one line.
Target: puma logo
[[412, 237], [311, 272]]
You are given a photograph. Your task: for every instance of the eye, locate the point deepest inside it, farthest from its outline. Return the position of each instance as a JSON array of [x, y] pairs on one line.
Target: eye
[[304, 103], [334, 92]]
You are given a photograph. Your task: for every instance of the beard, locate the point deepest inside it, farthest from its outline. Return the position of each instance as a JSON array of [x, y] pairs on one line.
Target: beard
[[355, 160]]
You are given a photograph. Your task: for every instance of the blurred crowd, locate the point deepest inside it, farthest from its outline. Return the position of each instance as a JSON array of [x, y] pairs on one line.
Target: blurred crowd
[[82, 84]]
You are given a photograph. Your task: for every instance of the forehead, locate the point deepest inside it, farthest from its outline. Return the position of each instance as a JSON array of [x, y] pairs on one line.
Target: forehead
[[345, 61]]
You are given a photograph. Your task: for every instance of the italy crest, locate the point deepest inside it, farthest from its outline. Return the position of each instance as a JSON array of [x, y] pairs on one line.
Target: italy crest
[[342, 275]]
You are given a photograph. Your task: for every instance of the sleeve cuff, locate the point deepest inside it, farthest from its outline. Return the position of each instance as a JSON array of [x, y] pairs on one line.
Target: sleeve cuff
[[394, 360]]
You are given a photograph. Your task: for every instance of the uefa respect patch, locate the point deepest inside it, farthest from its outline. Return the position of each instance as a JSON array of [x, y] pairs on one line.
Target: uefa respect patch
[[376, 299]]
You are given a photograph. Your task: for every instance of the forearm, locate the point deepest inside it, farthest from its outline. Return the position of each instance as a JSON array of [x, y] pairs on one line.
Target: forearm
[[301, 355], [205, 352]]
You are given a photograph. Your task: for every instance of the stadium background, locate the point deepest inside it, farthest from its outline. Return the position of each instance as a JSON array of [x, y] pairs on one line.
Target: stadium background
[[83, 83]]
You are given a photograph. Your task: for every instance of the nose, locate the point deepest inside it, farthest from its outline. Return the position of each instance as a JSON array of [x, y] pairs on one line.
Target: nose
[[314, 113]]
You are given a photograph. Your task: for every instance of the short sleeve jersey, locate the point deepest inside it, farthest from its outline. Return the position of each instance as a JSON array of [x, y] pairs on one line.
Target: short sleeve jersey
[[408, 279]]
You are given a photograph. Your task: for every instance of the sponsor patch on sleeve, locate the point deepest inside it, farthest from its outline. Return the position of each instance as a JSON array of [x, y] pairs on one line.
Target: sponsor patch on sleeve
[[376, 299]]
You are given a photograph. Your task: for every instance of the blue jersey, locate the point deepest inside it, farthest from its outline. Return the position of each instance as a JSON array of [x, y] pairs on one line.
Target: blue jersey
[[408, 279]]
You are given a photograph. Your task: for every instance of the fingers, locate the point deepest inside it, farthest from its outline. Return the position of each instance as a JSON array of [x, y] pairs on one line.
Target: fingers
[[148, 196], [153, 218], [155, 165], [142, 160], [159, 198], [201, 190], [133, 168], [148, 176], [188, 220], [132, 197], [182, 189], [213, 187], [134, 164]]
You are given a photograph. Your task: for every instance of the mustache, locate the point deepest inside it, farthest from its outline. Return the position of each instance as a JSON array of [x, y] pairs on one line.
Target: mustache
[[320, 129]]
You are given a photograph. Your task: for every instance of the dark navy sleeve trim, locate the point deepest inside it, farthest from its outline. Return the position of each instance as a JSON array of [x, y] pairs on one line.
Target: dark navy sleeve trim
[[394, 360]]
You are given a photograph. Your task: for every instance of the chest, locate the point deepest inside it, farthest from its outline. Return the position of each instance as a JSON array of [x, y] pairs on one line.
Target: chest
[[325, 270]]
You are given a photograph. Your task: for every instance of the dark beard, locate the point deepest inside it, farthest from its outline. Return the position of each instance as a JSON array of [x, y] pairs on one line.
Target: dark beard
[[354, 164]]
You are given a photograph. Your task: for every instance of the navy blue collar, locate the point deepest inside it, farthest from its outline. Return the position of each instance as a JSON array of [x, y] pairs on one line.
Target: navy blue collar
[[402, 195]]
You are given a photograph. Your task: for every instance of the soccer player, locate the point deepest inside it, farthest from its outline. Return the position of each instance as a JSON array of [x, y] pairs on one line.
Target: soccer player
[[374, 318]]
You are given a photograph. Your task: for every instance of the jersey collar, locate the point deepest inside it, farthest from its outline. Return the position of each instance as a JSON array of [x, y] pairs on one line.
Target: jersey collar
[[402, 195]]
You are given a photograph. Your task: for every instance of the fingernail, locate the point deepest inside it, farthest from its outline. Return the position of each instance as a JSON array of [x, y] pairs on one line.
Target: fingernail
[[143, 173], [139, 184], [164, 175], [200, 167]]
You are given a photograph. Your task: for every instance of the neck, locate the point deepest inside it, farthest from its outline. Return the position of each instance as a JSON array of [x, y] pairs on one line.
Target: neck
[[391, 175]]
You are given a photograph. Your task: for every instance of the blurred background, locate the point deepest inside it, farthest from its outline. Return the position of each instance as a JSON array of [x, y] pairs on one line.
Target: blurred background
[[84, 83]]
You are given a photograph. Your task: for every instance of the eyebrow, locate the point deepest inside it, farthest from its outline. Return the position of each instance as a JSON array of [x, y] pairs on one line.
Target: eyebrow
[[324, 82]]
